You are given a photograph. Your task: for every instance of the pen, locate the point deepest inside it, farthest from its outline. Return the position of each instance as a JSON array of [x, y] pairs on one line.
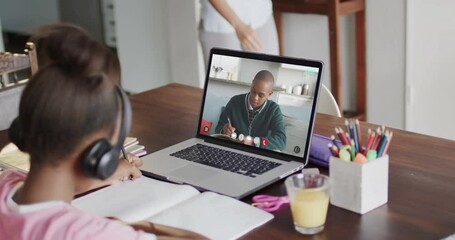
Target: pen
[[229, 121]]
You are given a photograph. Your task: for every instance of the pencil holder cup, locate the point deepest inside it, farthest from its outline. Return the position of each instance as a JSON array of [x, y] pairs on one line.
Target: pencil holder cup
[[359, 187]]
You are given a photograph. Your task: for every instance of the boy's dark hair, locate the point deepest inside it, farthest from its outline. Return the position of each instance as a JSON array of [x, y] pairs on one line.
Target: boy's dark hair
[[72, 95], [264, 75]]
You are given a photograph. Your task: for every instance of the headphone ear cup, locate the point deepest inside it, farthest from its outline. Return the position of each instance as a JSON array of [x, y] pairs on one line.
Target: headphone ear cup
[[100, 160], [15, 134], [108, 164]]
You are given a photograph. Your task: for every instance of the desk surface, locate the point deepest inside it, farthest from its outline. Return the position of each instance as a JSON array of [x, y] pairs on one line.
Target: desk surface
[[421, 181]]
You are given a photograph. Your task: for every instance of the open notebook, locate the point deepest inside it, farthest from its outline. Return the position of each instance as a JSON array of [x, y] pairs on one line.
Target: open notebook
[[210, 214]]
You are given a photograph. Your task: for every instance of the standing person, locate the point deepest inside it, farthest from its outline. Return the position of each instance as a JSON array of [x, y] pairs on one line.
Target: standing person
[[238, 24], [70, 111], [253, 114]]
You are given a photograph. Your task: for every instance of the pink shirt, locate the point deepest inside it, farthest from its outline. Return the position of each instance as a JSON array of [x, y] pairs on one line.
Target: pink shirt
[[53, 220]]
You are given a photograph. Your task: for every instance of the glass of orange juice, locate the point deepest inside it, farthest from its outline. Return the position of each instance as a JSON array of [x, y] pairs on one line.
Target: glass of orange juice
[[309, 198]]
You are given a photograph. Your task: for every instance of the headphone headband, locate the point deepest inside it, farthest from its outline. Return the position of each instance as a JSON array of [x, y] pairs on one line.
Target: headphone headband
[[101, 158], [126, 118]]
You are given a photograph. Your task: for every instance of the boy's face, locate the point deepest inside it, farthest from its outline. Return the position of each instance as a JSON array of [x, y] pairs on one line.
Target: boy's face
[[260, 91]]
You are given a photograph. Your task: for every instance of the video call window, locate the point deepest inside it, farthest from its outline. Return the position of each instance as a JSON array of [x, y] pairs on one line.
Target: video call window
[[259, 103]]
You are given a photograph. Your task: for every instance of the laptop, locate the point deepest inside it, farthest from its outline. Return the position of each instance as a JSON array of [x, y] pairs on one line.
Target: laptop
[[243, 144]]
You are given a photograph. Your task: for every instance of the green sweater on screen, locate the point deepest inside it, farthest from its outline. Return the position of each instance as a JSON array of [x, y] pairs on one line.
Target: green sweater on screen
[[268, 124]]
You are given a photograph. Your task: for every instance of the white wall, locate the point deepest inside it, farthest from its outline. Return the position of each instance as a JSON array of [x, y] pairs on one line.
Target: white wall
[[430, 67], [24, 15], [142, 41], [184, 67], [156, 42], [307, 36], [386, 36]]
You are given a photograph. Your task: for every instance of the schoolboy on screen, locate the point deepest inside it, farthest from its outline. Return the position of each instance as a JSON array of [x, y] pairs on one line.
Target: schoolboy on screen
[[259, 103]]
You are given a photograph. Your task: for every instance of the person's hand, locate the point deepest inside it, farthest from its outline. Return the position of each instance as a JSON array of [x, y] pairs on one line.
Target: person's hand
[[248, 38], [228, 129], [127, 169]]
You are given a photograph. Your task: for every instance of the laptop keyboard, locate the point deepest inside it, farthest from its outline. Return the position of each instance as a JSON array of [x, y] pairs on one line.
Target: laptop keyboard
[[226, 160]]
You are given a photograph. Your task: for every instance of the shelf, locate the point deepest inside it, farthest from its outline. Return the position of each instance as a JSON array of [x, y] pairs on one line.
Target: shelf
[[241, 83], [354, 114]]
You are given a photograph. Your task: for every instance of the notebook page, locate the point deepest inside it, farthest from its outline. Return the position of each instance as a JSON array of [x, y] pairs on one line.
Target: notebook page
[[214, 216], [12, 156], [135, 200]]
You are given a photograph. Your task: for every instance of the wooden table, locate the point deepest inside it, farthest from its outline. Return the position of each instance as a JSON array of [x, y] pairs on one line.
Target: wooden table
[[421, 181]]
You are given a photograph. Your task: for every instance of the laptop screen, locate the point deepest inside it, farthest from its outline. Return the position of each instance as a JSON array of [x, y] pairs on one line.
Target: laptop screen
[[260, 101]]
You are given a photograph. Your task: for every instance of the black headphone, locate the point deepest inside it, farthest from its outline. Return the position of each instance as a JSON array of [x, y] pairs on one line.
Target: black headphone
[[101, 158]]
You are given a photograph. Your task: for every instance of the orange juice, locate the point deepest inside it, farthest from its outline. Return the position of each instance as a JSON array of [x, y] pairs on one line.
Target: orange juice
[[309, 207]]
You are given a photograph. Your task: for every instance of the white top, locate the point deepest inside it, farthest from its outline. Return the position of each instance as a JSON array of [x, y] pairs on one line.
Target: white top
[[254, 13]]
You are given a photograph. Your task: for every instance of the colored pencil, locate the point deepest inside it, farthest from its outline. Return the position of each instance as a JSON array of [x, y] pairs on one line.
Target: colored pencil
[[333, 149], [342, 137], [352, 150], [355, 137], [346, 124], [369, 143], [333, 138], [377, 139], [359, 132], [345, 137], [383, 143], [388, 143]]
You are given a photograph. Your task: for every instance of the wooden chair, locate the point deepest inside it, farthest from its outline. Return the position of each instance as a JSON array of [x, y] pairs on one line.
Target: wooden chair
[[10, 91], [333, 9]]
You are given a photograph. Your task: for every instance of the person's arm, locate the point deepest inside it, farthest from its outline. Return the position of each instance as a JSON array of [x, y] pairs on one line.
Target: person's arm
[[277, 135], [224, 126], [165, 232], [247, 36]]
